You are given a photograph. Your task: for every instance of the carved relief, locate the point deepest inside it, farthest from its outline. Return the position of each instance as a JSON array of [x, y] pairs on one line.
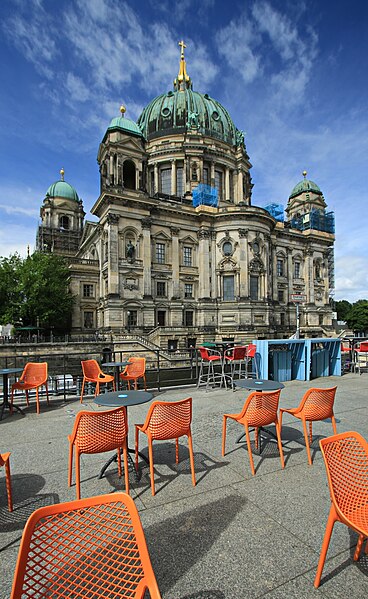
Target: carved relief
[[146, 222], [112, 218]]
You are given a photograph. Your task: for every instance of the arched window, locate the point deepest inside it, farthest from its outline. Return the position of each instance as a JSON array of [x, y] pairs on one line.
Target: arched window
[[129, 174], [64, 222]]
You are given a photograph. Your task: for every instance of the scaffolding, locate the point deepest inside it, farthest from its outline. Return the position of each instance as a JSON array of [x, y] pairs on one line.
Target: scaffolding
[[277, 211], [205, 195], [319, 220]]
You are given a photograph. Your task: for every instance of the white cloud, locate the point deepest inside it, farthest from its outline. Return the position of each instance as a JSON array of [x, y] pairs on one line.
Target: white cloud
[[77, 89]]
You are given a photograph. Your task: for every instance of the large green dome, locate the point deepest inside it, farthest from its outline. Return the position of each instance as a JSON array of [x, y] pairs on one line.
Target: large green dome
[[178, 110], [304, 186], [62, 189]]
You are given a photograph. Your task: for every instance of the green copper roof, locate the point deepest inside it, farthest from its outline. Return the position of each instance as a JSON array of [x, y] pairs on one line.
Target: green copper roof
[[62, 189], [179, 111], [126, 125], [305, 185]]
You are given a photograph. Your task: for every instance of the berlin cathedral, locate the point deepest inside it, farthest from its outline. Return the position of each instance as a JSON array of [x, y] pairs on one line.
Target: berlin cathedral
[[179, 254]]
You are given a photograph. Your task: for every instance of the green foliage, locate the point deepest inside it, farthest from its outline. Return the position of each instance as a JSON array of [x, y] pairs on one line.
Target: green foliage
[[357, 318], [343, 308], [34, 291]]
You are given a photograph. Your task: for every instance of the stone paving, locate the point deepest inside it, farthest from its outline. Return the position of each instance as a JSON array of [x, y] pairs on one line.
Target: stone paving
[[233, 535]]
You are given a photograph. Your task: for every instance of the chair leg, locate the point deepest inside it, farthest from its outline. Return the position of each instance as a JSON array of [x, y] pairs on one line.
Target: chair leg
[[150, 455], [37, 402], [136, 447], [145, 382], [278, 434], [310, 433], [191, 457], [70, 464], [118, 453], [224, 434], [77, 473], [332, 518], [358, 547], [249, 449], [177, 451], [27, 398], [97, 389], [126, 469], [82, 391], [11, 401], [334, 424], [256, 437], [307, 442], [8, 485]]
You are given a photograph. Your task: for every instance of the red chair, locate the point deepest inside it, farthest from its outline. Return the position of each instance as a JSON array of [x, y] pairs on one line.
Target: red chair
[[260, 409], [235, 357], [251, 358], [210, 357], [97, 432], [136, 369], [316, 404], [92, 373], [4, 461], [166, 420], [91, 548], [33, 376], [346, 461]]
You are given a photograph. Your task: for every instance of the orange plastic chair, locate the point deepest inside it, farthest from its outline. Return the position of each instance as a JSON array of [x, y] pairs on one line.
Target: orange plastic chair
[[4, 461], [316, 404], [167, 420], [92, 373], [88, 548], [136, 369], [97, 432], [346, 461], [260, 409], [33, 376]]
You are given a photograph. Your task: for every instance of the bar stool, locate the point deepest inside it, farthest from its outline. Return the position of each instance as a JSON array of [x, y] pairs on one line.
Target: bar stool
[[251, 357], [209, 357], [235, 357]]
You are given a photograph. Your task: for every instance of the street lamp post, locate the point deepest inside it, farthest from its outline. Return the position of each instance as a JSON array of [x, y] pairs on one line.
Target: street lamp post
[[128, 321]]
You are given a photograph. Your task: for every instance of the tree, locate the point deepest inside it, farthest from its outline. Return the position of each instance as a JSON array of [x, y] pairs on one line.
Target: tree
[[357, 318], [343, 308], [40, 294]]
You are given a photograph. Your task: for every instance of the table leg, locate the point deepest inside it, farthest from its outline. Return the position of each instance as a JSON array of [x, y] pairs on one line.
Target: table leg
[[261, 429], [114, 458], [6, 403]]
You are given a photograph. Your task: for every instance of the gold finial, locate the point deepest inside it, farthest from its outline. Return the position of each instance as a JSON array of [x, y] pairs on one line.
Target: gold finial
[[304, 173], [62, 173], [122, 109], [182, 81]]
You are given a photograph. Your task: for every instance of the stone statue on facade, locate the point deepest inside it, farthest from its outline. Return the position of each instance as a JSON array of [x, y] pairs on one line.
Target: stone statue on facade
[[130, 250]]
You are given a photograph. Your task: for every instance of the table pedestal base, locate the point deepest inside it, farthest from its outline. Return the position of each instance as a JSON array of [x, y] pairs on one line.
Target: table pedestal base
[[131, 465], [7, 405], [261, 430]]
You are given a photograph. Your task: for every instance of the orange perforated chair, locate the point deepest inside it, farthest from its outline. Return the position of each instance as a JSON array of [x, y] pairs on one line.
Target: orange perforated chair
[[316, 404], [346, 461], [260, 409], [136, 369], [97, 432], [33, 376], [88, 548], [4, 461], [167, 420], [92, 373]]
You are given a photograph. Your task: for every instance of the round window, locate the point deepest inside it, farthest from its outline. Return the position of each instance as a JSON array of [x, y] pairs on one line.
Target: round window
[[227, 248], [166, 112], [215, 115]]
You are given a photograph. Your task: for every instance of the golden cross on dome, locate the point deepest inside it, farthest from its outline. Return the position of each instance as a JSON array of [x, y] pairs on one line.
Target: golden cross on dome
[[182, 45]]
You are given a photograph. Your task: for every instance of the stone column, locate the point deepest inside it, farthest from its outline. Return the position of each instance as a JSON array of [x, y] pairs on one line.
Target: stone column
[[185, 178], [290, 272], [212, 183], [175, 262], [147, 259], [156, 177], [204, 263], [173, 177], [240, 185], [309, 278], [113, 253], [244, 263], [275, 295], [227, 183]]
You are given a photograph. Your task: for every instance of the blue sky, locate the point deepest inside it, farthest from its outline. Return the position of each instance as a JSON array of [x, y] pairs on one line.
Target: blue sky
[[293, 75]]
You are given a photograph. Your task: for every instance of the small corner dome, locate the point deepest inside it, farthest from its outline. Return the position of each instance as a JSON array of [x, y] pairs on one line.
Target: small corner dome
[[305, 185], [62, 189], [121, 123]]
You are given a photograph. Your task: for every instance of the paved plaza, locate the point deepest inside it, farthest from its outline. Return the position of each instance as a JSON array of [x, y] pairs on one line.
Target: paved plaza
[[234, 535]]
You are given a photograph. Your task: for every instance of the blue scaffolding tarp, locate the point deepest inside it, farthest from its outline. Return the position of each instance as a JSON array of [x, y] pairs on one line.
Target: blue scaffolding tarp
[[205, 195], [277, 211], [319, 220]]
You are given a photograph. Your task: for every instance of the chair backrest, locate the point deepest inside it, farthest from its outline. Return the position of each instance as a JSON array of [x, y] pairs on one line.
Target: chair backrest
[[136, 367], [82, 547], [239, 352], [318, 403], [363, 346], [203, 351], [35, 373], [251, 350], [346, 461], [91, 369], [96, 432], [168, 419], [261, 406]]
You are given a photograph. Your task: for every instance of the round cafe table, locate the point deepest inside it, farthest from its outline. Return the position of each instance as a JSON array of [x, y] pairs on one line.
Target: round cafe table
[[117, 366], [5, 372], [118, 399], [259, 385]]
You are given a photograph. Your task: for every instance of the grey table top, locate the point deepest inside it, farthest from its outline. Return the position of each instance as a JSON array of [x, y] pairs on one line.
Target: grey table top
[[117, 399], [258, 384]]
